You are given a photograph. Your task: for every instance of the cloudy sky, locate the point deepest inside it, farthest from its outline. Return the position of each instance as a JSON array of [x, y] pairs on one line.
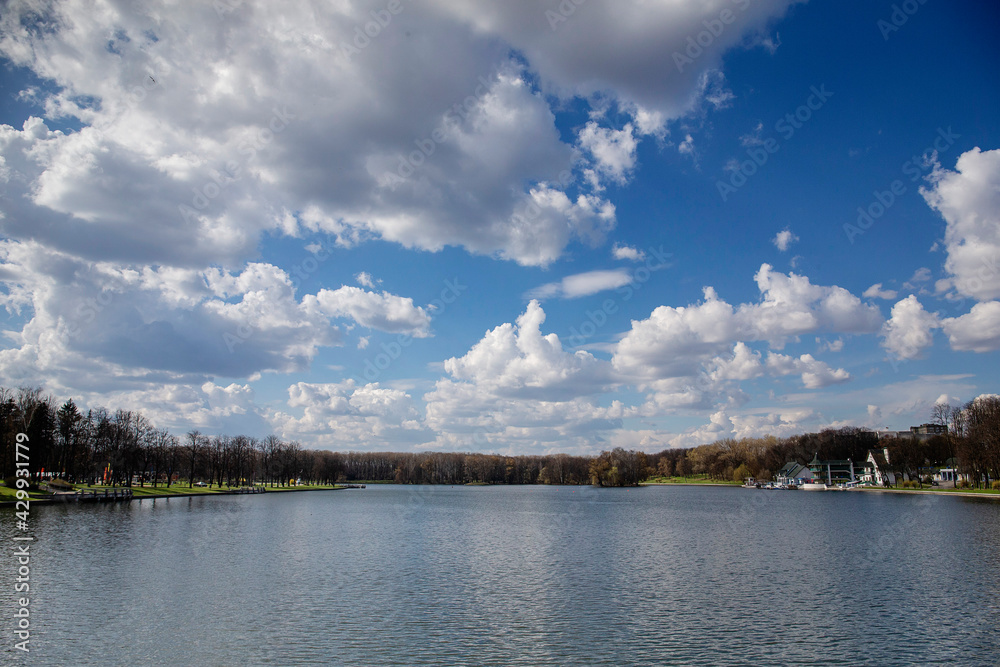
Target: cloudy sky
[[520, 227]]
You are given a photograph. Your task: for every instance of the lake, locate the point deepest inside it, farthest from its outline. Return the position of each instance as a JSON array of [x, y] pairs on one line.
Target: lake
[[537, 575]]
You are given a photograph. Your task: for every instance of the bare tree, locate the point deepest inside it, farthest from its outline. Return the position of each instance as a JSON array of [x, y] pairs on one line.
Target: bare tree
[[195, 444]]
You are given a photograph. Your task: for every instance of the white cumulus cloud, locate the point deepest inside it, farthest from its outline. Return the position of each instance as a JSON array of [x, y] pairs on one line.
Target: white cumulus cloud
[[382, 311], [909, 330], [969, 201], [877, 292], [613, 151], [976, 331], [815, 373], [347, 415], [582, 284], [518, 386], [628, 252], [784, 239]]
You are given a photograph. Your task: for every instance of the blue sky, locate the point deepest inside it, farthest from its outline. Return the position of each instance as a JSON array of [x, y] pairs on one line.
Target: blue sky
[[478, 227]]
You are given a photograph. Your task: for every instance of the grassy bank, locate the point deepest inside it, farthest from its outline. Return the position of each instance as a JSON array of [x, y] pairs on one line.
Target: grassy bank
[[185, 490], [985, 492], [8, 494], [694, 479]]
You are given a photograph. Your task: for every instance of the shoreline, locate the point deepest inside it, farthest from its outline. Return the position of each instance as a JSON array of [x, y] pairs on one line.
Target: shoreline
[[945, 493], [68, 500], [941, 492], [732, 484]]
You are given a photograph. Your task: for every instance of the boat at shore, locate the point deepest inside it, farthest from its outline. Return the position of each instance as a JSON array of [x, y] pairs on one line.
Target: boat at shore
[[813, 486], [820, 486], [751, 483]]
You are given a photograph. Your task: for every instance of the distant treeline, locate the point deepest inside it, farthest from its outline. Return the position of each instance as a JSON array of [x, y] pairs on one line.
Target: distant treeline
[[123, 448]]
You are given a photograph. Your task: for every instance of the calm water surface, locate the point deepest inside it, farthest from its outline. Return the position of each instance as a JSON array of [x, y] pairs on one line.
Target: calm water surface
[[403, 575]]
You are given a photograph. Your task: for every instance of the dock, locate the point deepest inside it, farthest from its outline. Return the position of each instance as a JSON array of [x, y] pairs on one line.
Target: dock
[[125, 494], [93, 496]]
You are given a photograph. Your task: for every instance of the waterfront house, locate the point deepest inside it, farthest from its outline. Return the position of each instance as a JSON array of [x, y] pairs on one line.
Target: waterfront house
[[793, 473], [878, 471], [833, 471]]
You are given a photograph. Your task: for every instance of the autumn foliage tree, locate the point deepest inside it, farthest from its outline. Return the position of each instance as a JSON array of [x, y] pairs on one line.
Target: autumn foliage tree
[[619, 467]]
